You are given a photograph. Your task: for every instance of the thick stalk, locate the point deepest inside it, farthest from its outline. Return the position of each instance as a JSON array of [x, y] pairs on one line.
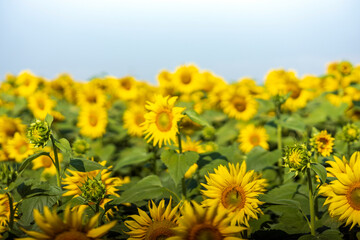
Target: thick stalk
[[183, 185], [57, 163], [12, 212], [311, 203]]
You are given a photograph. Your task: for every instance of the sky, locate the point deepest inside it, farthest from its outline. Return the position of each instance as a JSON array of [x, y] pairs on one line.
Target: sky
[[232, 38]]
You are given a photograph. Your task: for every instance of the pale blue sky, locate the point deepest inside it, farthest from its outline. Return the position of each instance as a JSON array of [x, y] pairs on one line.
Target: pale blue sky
[[233, 38]]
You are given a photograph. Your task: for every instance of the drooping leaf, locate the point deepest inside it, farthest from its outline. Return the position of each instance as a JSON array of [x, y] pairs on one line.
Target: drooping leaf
[[64, 145], [28, 160], [194, 116], [85, 165]]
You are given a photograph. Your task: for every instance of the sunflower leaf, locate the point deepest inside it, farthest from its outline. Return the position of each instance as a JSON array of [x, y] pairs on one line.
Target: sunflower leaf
[[85, 165], [64, 145], [49, 119], [194, 116], [28, 160], [319, 170]]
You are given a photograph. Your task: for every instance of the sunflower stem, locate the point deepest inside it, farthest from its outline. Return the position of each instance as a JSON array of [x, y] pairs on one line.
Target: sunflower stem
[[183, 184], [12, 212], [311, 203], [57, 163], [348, 150]]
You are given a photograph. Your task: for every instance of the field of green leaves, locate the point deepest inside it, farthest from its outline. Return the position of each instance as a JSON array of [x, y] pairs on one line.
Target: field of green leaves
[[193, 157]]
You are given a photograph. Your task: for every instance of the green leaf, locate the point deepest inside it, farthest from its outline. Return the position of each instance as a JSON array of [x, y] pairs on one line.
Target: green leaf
[[49, 119], [28, 160], [333, 234], [135, 158], [308, 237], [64, 145], [287, 202], [293, 122], [209, 168], [319, 170], [194, 116], [259, 158], [149, 187], [178, 163], [85, 165]]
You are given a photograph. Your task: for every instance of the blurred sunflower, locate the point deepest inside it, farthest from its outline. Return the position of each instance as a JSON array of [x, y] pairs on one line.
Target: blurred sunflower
[[159, 226], [323, 143], [92, 121], [234, 191], [71, 227], [89, 94], [19, 148], [165, 80], [199, 222], [26, 84], [46, 163], [343, 193], [161, 123], [133, 120], [127, 88], [187, 79], [93, 185], [237, 104], [251, 137], [40, 105], [10, 126]]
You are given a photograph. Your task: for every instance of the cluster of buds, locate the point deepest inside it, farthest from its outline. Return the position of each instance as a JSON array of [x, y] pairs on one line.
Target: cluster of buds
[[7, 174], [39, 133], [297, 157], [93, 190], [80, 147], [351, 133]]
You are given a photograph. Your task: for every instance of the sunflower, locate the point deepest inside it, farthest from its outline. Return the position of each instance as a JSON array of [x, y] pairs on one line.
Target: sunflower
[[194, 146], [343, 193], [10, 126], [323, 143], [234, 191], [92, 121], [159, 226], [75, 183], [40, 105], [237, 104], [127, 88], [71, 227], [46, 163], [19, 148], [161, 123], [133, 118], [4, 212], [27, 84], [251, 137], [187, 79], [199, 222], [89, 94]]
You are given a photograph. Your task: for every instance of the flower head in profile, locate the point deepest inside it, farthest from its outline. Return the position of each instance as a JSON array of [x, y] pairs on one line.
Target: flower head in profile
[[200, 222], [235, 191], [72, 226], [322, 143], [161, 122], [159, 225]]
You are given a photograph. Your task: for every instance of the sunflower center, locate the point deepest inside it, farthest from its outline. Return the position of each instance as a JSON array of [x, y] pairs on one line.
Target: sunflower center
[[353, 196], [233, 197], [254, 140], [323, 141], [93, 190], [41, 104], [10, 129], [295, 92], [139, 119], [126, 84], [164, 121], [93, 119], [295, 158], [72, 235], [46, 161], [204, 232], [91, 99], [240, 104], [185, 78], [160, 230], [22, 148]]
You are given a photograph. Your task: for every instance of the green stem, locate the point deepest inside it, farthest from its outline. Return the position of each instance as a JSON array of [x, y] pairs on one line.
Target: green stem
[[57, 163], [279, 142], [349, 150], [311, 203], [12, 212], [179, 140], [183, 185]]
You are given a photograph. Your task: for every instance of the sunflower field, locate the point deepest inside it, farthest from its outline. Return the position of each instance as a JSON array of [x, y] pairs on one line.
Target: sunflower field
[[192, 158]]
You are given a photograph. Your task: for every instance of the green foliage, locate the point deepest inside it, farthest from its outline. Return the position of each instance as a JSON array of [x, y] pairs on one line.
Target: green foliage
[[84, 165]]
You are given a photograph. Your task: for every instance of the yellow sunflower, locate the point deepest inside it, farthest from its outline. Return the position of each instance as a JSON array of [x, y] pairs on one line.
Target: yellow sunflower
[[92, 121], [40, 105], [194, 146], [234, 191], [251, 137], [323, 143], [161, 123], [19, 148], [71, 227], [343, 193], [10, 126], [89, 94], [237, 104], [4, 212], [187, 79], [127, 88], [75, 181], [27, 84], [46, 163], [158, 226], [133, 120], [198, 222]]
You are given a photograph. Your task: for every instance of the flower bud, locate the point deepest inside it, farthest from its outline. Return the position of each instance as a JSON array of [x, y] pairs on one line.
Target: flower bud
[[39, 133], [297, 157], [80, 147], [93, 190], [351, 133]]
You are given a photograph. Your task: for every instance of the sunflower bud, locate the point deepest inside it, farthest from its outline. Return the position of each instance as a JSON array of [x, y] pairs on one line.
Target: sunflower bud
[[351, 133], [7, 174], [208, 132], [80, 147], [297, 157], [39, 133], [93, 190]]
